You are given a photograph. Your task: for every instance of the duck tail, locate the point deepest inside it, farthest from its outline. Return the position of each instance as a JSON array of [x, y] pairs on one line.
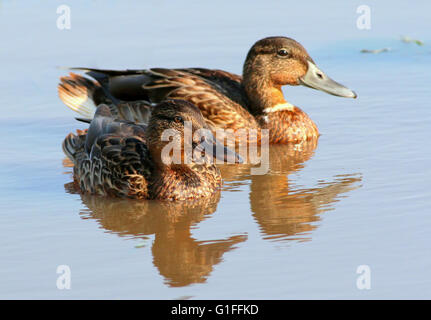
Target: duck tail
[[84, 95]]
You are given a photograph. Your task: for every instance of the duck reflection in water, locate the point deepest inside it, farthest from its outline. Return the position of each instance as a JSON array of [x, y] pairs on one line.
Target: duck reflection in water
[[180, 259], [283, 211]]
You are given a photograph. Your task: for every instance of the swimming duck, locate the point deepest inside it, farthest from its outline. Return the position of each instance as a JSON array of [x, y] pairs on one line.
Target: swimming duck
[[226, 100], [120, 158]]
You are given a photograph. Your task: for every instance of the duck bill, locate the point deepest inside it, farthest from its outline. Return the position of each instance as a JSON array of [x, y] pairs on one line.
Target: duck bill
[[317, 79], [217, 150]]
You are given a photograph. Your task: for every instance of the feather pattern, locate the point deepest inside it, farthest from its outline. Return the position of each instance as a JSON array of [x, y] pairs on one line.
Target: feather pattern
[[116, 158], [226, 100]]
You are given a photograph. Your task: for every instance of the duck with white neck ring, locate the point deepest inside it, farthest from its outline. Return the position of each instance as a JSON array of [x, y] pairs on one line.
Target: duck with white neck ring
[[226, 100]]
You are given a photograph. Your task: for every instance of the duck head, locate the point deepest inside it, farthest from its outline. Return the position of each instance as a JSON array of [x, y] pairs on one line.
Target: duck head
[[177, 136], [277, 61]]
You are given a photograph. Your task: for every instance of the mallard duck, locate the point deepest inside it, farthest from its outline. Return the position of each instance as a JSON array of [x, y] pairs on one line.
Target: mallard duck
[[120, 158], [226, 100]]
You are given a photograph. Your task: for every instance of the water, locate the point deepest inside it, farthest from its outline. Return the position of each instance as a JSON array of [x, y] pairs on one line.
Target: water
[[358, 196]]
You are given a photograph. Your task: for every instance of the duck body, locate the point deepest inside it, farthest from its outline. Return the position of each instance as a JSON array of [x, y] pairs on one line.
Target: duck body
[[122, 159], [222, 99], [228, 101]]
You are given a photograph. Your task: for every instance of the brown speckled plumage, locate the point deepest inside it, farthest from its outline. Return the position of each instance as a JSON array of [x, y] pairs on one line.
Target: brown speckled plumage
[[226, 100], [124, 159], [286, 126]]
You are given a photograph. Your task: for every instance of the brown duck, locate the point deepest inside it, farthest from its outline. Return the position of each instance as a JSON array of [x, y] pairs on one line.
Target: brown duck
[[123, 159], [226, 100]]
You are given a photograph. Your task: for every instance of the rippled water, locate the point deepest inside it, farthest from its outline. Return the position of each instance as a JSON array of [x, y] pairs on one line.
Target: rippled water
[[357, 196]]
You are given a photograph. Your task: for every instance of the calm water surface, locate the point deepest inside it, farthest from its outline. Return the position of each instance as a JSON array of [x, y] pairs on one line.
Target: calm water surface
[[358, 196]]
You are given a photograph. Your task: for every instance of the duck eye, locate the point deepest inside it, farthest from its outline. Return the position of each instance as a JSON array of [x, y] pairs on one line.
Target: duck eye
[[178, 119], [283, 53]]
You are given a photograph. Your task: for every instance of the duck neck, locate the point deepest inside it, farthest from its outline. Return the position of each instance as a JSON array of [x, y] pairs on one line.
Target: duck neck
[[263, 95]]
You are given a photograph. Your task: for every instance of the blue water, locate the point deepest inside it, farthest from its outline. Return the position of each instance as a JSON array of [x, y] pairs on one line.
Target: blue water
[[360, 197]]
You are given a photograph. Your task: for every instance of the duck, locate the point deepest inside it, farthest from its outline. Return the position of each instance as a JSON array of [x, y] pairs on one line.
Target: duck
[[120, 158], [253, 101]]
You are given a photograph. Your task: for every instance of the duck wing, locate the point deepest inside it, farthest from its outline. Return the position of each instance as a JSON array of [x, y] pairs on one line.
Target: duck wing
[[227, 83], [111, 157], [127, 84], [121, 166], [104, 124], [218, 94], [217, 100]]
